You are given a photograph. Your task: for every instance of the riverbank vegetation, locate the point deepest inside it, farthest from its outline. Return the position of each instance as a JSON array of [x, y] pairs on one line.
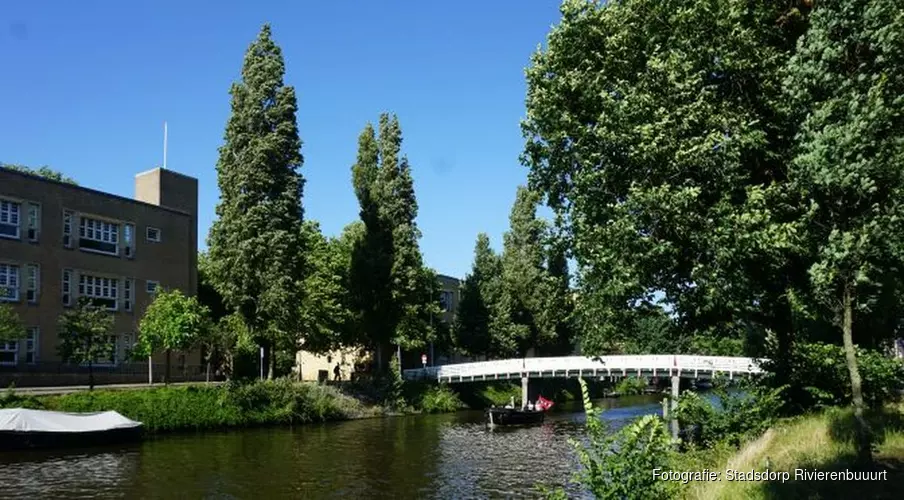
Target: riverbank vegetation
[[202, 407]]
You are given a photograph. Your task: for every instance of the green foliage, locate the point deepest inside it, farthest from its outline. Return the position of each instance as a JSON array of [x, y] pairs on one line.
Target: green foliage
[[11, 327], [439, 398], [85, 335], [629, 386], [269, 402], [326, 320], [473, 329], [395, 386], [173, 322], [255, 244], [820, 377], [655, 131], [732, 417], [619, 465], [44, 171], [393, 295]]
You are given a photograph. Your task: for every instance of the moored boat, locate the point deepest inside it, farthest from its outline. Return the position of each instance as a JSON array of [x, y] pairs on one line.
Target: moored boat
[[22, 428]]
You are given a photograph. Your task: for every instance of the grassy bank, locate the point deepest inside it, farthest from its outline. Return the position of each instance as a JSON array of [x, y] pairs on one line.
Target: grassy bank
[[202, 407], [823, 442]]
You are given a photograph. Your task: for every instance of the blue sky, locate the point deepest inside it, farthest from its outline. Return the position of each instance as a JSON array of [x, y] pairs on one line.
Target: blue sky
[[87, 86]]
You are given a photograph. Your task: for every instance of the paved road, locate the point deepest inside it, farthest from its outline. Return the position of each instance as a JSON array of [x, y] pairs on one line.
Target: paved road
[[42, 391]]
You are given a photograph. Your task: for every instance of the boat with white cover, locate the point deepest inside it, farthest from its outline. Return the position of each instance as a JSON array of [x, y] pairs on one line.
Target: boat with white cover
[[21, 428]]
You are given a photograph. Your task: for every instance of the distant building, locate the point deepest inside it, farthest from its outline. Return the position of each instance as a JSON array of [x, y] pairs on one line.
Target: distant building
[[310, 366], [59, 242]]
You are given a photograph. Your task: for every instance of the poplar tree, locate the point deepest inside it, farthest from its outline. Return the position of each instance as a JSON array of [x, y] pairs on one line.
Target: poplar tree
[[255, 244], [525, 282], [395, 293]]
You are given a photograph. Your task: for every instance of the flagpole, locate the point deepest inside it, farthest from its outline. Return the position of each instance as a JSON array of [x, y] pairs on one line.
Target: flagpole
[[164, 144]]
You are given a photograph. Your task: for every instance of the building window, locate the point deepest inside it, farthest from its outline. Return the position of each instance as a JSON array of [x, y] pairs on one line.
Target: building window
[[98, 236], [113, 359], [152, 287], [31, 346], [9, 353], [9, 282], [128, 240], [102, 291], [34, 221], [153, 234], [67, 228], [445, 300], [127, 287], [32, 282], [9, 219], [67, 287]]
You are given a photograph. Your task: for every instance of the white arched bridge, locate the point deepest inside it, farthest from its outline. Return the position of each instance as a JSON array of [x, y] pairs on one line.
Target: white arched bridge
[[655, 365]]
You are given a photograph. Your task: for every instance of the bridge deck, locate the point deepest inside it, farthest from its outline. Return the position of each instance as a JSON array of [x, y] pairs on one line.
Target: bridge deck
[[582, 366]]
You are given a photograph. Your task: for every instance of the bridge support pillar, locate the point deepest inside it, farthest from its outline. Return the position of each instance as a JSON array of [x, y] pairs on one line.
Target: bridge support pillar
[[673, 411], [524, 395]]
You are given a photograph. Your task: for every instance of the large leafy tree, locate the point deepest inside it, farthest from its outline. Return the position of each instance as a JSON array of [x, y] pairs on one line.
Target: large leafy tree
[[847, 79], [174, 322], [479, 300], [326, 321], [655, 130], [85, 335], [255, 245], [395, 293]]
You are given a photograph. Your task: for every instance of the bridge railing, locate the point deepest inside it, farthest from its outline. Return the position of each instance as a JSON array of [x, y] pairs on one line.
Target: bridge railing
[[572, 365]]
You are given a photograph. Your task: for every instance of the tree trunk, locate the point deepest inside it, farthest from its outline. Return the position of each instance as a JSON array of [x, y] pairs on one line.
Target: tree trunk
[[166, 377], [864, 452], [208, 370], [150, 370], [269, 359], [379, 358], [90, 376]]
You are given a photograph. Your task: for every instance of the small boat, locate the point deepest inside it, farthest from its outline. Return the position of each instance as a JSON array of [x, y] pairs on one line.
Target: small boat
[[22, 428], [512, 416]]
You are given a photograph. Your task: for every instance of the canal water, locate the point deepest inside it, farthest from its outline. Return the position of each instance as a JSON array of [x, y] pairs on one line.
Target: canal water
[[427, 456]]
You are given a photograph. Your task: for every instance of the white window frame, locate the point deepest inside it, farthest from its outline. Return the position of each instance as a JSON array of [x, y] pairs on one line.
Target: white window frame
[[66, 287], [12, 347], [32, 282], [34, 221], [32, 340], [99, 287], [10, 275], [148, 288], [68, 216], [114, 339], [147, 234], [128, 294], [128, 240], [99, 230], [11, 215]]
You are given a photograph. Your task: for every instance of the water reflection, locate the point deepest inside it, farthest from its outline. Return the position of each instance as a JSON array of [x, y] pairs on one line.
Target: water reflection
[[439, 456]]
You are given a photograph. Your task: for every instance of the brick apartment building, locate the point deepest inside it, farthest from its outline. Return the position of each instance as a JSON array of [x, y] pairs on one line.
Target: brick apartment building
[[59, 241]]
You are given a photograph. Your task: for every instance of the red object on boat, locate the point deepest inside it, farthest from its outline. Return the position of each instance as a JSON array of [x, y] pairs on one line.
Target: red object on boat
[[544, 404]]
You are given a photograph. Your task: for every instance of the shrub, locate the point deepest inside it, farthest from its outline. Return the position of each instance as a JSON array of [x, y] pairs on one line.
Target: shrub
[[620, 465], [732, 417], [819, 377], [440, 399], [631, 386]]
